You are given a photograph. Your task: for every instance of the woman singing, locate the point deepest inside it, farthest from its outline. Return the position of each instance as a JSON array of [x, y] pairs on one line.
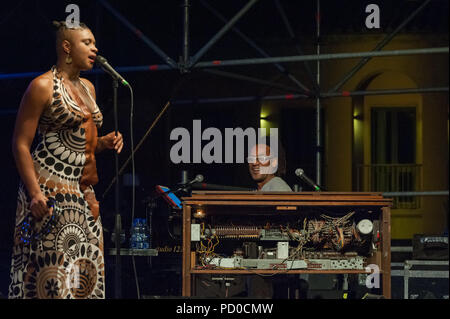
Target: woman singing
[[58, 239]]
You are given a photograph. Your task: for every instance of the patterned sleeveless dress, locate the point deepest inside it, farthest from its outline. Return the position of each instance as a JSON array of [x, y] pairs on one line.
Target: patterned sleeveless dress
[[67, 261]]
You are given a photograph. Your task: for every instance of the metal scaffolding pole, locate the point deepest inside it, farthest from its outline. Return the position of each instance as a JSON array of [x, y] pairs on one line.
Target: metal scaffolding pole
[[222, 31], [302, 96], [378, 47], [253, 80], [384, 92], [23, 75], [263, 53], [318, 118], [297, 47], [136, 31], [10, 111], [123, 69], [219, 63], [315, 57], [184, 65]]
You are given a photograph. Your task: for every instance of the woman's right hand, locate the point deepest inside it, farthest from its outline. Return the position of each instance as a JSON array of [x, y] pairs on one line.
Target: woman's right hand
[[38, 207]]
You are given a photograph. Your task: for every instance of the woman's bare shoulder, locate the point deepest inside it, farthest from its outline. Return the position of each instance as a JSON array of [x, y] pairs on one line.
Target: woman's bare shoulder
[[39, 90], [43, 81], [41, 86]]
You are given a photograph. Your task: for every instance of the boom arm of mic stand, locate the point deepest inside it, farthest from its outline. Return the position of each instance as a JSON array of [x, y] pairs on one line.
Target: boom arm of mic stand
[[137, 147], [166, 106]]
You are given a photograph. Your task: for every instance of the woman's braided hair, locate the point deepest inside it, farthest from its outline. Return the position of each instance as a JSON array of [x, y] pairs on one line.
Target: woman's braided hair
[[61, 29], [62, 25]]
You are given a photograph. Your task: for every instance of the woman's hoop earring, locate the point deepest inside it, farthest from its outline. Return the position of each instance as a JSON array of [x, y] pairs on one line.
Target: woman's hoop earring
[[68, 59]]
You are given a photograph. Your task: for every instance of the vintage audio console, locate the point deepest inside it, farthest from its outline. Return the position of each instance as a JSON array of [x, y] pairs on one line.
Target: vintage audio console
[[285, 233]]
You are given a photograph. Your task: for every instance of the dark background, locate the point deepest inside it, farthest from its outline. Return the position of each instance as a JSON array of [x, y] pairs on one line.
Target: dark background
[[27, 45]]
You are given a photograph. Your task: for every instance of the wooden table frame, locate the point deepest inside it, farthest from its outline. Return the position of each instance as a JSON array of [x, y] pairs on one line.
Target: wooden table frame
[[283, 200]]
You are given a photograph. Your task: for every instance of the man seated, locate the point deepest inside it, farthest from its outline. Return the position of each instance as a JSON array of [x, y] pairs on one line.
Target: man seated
[[266, 168]]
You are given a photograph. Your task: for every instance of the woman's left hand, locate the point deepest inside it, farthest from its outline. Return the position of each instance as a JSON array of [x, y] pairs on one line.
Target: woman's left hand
[[111, 141]]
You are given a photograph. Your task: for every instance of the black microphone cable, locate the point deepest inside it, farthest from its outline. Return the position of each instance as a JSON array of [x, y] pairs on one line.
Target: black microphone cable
[[133, 167], [133, 182]]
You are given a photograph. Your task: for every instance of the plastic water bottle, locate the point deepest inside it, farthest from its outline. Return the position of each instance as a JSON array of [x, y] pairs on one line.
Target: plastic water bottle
[[135, 234], [139, 234]]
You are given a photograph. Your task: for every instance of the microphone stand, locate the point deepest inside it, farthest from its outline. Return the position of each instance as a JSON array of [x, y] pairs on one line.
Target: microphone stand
[[118, 219]]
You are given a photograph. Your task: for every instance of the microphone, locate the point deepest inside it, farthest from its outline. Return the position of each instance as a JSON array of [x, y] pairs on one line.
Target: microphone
[[103, 63], [197, 179], [219, 187], [300, 173]]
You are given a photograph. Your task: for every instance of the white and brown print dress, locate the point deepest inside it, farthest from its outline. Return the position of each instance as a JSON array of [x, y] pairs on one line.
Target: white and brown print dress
[[66, 261]]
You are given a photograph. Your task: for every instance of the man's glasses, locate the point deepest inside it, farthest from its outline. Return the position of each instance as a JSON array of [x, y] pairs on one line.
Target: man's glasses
[[263, 159]]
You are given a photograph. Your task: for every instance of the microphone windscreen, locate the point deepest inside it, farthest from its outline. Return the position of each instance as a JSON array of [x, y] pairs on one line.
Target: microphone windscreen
[[100, 60], [299, 172], [199, 178]]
